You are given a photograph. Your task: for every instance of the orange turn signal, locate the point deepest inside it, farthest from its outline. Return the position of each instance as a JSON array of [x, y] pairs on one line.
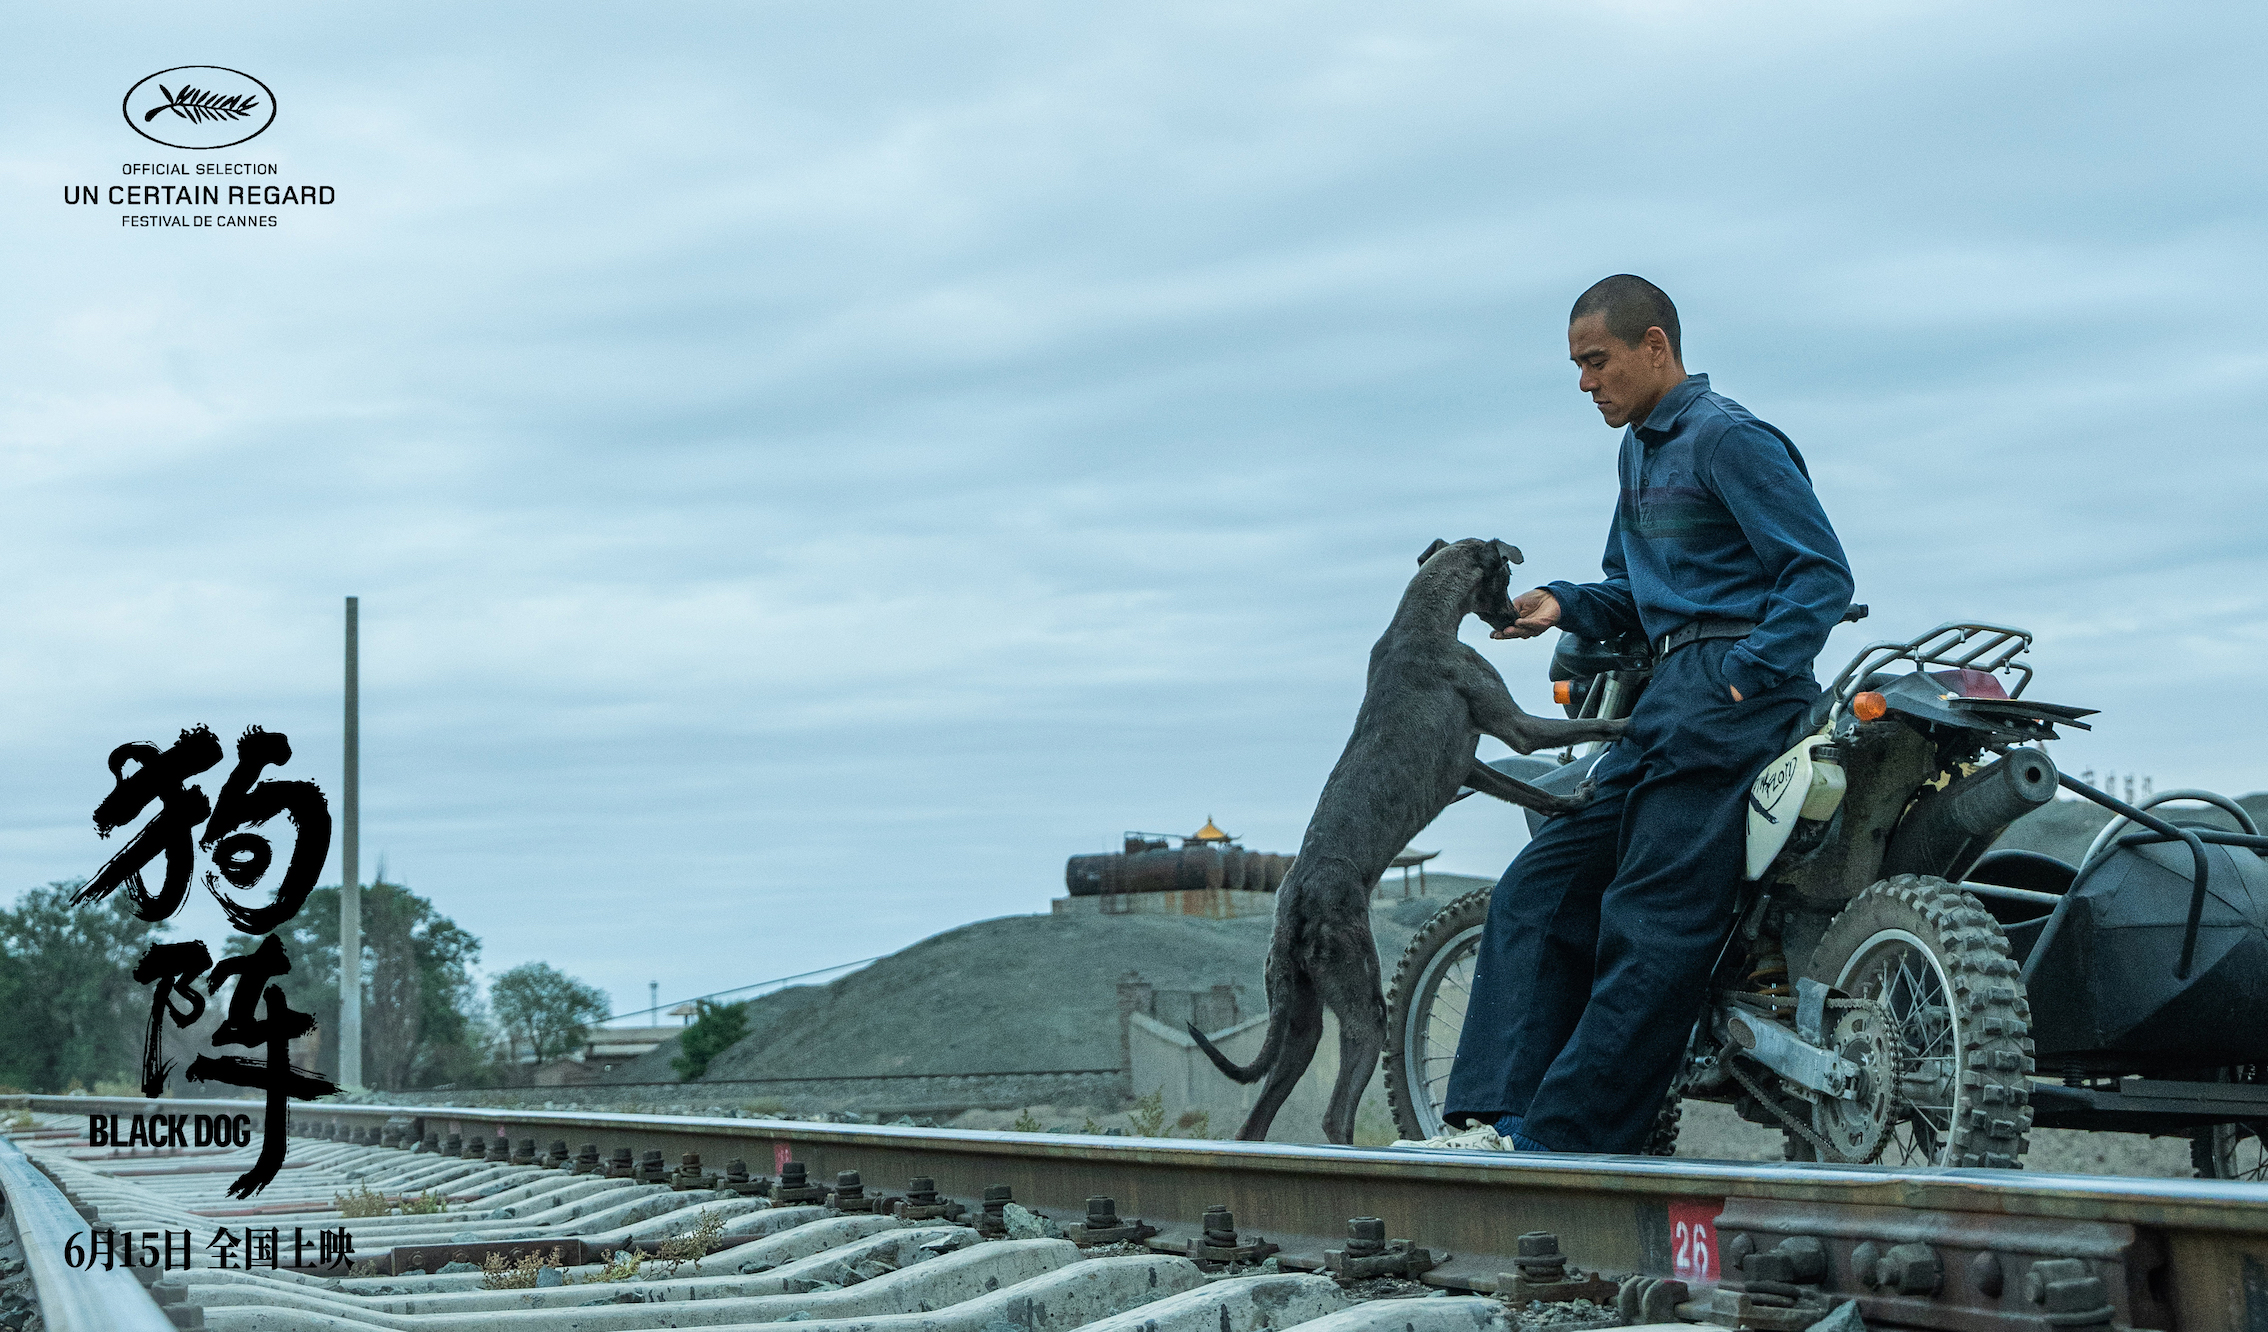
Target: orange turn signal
[[1563, 692], [1868, 705]]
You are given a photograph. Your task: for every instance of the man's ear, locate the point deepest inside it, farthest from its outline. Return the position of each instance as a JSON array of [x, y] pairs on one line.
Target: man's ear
[[1510, 553], [1437, 544]]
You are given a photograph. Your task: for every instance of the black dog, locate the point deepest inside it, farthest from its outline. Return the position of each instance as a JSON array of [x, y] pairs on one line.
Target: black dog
[[1429, 700]]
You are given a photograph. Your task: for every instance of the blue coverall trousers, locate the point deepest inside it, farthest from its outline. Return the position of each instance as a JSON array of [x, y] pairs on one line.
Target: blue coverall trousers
[[1595, 960]]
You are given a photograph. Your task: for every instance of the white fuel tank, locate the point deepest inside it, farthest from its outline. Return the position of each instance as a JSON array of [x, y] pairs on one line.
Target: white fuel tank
[[1791, 787]]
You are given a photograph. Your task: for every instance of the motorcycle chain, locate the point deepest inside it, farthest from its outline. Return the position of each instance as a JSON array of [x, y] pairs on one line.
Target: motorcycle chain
[[1824, 1151]]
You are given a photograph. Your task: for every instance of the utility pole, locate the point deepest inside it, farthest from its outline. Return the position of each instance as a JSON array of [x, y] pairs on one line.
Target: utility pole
[[350, 865], [653, 997]]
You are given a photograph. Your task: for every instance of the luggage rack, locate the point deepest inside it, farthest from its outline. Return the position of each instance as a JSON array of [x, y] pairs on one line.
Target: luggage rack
[[1996, 648]]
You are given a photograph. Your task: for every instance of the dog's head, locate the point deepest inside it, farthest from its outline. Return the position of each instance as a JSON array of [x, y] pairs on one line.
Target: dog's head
[[1492, 561]]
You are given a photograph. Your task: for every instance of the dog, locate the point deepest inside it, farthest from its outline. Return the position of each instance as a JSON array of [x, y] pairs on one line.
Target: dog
[[1428, 701]]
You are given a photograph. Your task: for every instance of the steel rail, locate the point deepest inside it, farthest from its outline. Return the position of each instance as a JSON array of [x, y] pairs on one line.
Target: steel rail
[[2175, 1249], [69, 1300]]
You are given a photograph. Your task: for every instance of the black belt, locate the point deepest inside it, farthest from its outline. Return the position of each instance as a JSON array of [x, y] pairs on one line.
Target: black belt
[[1698, 630]]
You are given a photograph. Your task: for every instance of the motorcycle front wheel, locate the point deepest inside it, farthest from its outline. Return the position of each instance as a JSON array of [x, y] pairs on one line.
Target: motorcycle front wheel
[[1425, 1014], [1936, 965]]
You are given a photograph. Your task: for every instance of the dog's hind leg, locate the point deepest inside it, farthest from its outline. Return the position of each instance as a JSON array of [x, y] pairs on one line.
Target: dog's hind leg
[[1299, 1016], [1353, 997], [1488, 781]]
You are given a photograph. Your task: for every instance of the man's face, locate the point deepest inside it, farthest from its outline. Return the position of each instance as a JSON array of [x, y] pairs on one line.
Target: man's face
[[1624, 381]]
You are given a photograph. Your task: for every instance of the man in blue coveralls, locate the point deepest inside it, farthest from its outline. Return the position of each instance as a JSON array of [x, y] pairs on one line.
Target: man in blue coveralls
[[1600, 937]]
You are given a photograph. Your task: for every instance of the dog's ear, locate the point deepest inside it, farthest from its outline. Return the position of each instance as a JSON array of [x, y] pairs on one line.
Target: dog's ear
[[1510, 553], [1438, 543]]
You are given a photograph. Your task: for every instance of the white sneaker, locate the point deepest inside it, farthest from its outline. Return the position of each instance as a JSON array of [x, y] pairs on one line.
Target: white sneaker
[[1478, 1138]]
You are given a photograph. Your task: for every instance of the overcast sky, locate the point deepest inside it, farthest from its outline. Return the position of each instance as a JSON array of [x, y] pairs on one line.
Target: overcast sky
[[809, 468]]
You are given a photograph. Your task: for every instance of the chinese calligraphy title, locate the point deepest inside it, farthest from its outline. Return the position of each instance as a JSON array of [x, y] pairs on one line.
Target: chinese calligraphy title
[[242, 858]]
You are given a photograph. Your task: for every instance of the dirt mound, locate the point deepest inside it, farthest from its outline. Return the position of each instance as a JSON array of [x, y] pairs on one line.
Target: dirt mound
[[1016, 994]]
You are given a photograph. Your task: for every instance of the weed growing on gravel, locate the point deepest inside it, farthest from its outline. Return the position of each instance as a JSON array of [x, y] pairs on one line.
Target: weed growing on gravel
[[1090, 1126], [1027, 1122], [623, 1266], [693, 1245], [496, 1274], [1149, 1115], [364, 1201], [765, 1107], [427, 1203]]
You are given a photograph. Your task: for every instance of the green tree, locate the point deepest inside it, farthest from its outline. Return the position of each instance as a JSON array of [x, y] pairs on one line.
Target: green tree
[[715, 1027], [75, 1012], [420, 1003], [545, 1009]]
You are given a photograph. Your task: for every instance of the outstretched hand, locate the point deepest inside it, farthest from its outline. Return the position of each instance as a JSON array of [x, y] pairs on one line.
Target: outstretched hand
[[1537, 610]]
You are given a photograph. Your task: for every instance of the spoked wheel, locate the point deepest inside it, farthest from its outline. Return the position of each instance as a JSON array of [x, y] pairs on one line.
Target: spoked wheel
[[1425, 1013], [1946, 1025], [2232, 1151]]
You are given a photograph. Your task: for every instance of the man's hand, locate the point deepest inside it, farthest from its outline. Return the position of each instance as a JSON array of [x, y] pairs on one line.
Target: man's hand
[[1537, 610]]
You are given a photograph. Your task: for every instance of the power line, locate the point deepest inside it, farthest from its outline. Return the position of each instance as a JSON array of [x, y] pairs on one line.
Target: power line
[[756, 985]]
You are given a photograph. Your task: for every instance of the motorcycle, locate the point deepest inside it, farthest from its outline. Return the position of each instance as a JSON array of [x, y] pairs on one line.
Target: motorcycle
[[1891, 987]]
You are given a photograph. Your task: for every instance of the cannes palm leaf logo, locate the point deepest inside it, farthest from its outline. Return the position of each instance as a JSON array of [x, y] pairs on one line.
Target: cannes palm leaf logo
[[197, 107]]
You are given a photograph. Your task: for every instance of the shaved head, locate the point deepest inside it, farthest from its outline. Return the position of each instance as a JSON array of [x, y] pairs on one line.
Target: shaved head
[[1630, 305]]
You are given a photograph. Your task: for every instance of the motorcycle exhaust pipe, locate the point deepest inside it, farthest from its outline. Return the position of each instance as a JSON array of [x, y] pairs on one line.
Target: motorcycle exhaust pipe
[[1945, 832]]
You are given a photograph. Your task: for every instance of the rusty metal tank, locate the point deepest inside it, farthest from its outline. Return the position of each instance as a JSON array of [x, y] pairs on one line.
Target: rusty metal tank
[[1208, 858]]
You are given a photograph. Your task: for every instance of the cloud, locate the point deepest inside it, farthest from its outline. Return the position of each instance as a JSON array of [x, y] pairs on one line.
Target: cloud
[[811, 469]]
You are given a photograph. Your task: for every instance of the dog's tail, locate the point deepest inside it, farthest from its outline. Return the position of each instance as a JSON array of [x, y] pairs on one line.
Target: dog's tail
[[1261, 1063]]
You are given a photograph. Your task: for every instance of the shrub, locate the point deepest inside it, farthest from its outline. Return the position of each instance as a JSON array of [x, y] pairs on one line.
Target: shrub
[[693, 1245], [365, 1201], [496, 1274], [712, 1032], [1148, 1117]]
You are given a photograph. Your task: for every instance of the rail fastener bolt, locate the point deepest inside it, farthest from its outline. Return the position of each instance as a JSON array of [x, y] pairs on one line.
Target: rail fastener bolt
[[525, 1153], [1910, 1269], [794, 1186], [736, 1179], [992, 1221], [1105, 1226], [922, 1202], [851, 1196], [587, 1160], [1644, 1300], [2071, 1295], [621, 1165], [1219, 1243], [1544, 1275], [689, 1176], [1370, 1254]]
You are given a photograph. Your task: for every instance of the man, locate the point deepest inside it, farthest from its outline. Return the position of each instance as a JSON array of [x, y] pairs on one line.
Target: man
[[1600, 936]]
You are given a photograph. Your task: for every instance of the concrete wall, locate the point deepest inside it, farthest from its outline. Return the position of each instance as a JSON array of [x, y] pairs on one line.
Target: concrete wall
[[1164, 1058]]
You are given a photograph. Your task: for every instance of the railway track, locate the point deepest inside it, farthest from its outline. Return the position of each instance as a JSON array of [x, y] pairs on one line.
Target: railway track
[[906, 1228]]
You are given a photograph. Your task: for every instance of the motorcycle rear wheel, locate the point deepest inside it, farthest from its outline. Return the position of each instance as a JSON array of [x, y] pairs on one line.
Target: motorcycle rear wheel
[[1939, 963]]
